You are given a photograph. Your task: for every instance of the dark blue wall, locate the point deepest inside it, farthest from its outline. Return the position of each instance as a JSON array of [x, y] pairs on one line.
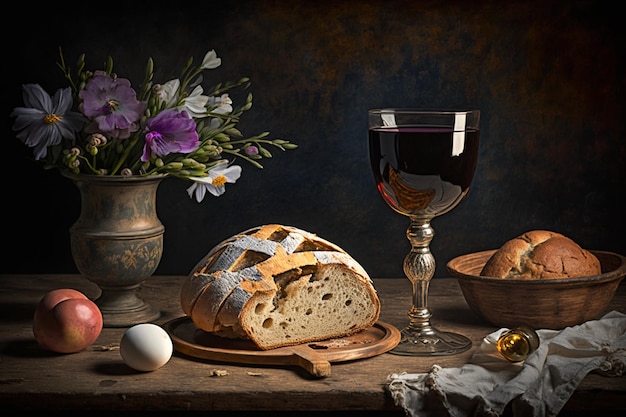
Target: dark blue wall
[[548, 77]]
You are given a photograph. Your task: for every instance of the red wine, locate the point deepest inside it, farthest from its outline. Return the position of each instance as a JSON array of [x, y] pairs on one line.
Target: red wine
[[423, 171]]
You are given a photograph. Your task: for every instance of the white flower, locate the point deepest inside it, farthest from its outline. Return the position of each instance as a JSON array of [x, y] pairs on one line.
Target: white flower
[[195, 104], [211, 61], [215, 183], [167, 93], [221, 104]]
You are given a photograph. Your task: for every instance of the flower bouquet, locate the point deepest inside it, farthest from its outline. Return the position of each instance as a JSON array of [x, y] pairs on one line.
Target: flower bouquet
[[101, 125]]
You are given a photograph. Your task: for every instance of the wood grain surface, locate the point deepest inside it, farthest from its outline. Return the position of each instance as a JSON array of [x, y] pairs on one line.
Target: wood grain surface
[[97, 380]]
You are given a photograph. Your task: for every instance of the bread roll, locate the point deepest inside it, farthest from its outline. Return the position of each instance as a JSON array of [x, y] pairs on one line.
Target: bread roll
[[279, 286], [541, 254]]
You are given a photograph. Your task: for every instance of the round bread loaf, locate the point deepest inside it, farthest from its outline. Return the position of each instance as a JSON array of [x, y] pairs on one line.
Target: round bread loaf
[[541, 254], [279, 286]]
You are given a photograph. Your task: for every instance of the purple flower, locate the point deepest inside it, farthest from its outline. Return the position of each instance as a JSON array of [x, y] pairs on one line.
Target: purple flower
[[46, 120], [170, 132], [112, 105]]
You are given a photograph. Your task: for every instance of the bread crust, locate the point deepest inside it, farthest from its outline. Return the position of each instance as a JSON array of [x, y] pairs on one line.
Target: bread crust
[[279, 286], [541, 254]]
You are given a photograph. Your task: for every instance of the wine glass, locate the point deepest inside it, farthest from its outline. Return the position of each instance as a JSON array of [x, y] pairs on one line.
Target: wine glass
[[423, 162]]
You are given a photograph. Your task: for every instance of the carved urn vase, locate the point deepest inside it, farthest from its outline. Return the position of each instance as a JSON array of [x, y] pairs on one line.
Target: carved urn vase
[[117, 242]]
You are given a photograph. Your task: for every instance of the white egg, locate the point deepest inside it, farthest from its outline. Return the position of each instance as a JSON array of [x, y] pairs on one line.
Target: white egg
[[146, 347]]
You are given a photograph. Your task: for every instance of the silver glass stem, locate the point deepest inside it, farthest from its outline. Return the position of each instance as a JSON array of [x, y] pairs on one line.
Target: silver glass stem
[[419, 267]]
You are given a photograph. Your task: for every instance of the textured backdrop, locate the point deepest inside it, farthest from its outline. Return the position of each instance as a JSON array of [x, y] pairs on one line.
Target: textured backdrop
[[548, 77]]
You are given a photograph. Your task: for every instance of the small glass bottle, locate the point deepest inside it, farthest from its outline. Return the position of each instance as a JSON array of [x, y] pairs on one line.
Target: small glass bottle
[[517, 343]]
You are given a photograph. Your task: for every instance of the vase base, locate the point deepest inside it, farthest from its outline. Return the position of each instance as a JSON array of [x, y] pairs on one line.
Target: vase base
[[127, 318]]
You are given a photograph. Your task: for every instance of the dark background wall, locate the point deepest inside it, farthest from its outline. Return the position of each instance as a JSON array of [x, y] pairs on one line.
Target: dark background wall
[[548, 76]]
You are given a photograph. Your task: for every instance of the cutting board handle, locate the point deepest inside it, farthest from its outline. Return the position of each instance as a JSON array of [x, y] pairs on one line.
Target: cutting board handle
[[310, 360]]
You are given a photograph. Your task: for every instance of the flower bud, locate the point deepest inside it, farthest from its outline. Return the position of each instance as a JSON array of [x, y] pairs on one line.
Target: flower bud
[[251, 150], [69, 158], [233, 131], [174, 165], [189, 162], [97, 139], [220, 137]]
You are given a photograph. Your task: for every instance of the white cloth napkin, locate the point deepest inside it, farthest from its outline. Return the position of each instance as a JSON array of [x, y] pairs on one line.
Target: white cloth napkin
[[540, 386]]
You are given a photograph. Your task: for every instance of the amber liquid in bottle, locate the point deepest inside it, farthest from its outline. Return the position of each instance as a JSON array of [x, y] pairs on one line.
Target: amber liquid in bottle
[[517, 344]]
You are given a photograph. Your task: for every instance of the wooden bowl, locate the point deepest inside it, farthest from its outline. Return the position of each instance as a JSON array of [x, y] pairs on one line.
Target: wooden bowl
[[541, 304]]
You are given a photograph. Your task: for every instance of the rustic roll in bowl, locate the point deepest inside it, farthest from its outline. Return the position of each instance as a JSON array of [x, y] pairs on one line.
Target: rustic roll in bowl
[[541, 304]]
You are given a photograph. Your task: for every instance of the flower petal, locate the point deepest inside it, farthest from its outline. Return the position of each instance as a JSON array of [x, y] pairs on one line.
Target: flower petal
[[211, 61], [112, 105], [170, 132], [46, 121]]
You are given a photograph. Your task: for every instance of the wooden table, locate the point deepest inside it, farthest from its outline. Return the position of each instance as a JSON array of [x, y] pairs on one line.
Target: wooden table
[[97, 379]]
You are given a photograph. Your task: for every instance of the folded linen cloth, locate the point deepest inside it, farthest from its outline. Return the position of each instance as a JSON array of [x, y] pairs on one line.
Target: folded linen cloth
[[539, 387]]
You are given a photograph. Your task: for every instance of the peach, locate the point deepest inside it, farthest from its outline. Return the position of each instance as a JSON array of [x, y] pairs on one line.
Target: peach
[[66, 321]]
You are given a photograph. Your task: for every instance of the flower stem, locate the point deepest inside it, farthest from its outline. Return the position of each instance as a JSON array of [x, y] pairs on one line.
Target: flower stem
[[240, 155], [127, 150]]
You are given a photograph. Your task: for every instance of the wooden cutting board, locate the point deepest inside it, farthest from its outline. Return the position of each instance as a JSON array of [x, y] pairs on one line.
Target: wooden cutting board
[[314, 357]]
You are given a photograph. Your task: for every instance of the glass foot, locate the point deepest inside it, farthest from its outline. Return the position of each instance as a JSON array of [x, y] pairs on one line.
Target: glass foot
[[430, 343]]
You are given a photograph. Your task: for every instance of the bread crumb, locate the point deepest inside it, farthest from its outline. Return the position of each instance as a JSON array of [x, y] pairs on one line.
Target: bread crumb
[[218, 372], [106, 348], [254, 373]]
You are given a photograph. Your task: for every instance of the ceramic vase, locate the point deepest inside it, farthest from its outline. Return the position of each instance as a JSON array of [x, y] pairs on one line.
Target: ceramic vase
[[117, 243]]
